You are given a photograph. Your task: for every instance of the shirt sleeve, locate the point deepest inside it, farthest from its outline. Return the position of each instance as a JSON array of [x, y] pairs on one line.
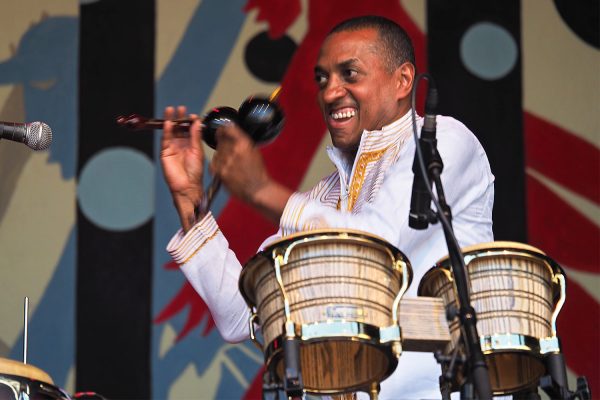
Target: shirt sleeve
[[213, 270]]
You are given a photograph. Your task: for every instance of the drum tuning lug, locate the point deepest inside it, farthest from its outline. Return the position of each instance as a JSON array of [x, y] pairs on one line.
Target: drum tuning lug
[[397, 349]]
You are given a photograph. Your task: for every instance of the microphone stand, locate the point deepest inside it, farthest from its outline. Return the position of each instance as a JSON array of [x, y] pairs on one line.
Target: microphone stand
[[431, 165]]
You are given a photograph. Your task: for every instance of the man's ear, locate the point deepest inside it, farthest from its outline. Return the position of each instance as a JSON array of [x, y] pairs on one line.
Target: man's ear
[[405, 76]]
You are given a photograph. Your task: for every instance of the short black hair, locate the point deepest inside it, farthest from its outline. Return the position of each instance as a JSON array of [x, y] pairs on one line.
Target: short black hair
[[397, 46]]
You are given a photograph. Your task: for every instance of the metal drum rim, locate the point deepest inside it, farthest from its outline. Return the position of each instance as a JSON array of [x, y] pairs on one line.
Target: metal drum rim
[[323, 234]]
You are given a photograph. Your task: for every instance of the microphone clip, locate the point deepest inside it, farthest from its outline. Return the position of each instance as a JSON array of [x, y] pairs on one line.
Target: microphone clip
[[421, 214], [422, 220]]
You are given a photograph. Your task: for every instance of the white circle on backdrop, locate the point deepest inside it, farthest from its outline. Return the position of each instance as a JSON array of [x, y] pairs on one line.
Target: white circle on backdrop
[[116, 189], [488, 51]]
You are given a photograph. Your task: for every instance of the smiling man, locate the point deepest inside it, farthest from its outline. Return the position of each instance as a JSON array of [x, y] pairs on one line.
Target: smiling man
[[365, 73], [364, 83]]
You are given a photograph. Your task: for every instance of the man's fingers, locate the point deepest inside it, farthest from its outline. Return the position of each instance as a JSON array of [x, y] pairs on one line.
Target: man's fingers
[[230, 133], [181, 112], [168, 125], [167, 130], [196, 134], [169, 112]]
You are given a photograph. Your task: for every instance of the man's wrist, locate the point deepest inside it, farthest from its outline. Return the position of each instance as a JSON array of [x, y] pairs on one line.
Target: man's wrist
[[188, 209], [270, 199]]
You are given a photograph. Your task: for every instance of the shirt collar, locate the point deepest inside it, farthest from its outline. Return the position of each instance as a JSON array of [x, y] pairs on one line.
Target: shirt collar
[[375, 140]]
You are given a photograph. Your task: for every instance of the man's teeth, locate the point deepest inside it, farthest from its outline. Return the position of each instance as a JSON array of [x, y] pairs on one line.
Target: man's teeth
[[345, 114]]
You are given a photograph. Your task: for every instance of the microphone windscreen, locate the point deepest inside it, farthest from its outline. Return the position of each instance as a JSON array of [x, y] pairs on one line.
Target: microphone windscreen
[[38, 136]]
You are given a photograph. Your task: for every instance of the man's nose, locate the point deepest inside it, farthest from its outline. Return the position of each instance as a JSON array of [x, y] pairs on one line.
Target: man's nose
[[334, 90]]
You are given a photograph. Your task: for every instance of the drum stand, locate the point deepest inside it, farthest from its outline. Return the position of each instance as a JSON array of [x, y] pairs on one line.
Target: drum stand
[[554, 383], [448, 364]]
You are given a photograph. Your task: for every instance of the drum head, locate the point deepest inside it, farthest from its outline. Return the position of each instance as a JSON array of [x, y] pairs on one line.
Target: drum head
[[16, 368]]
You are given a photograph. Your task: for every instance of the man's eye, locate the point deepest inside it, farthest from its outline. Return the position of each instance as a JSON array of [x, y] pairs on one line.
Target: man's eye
[[321, 80], [350, 74]]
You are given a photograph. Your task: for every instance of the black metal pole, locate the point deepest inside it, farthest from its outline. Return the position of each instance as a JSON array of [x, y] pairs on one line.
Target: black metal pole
[[431, 166]]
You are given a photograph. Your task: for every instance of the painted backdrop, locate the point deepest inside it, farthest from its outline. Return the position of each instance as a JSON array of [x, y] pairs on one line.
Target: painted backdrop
[[84, 225]]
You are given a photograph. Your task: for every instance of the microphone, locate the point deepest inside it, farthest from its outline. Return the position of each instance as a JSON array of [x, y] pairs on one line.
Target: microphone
[[420, 202], [36, 135]]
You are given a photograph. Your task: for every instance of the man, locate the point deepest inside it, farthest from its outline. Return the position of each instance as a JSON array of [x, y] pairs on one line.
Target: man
[[365, 73]]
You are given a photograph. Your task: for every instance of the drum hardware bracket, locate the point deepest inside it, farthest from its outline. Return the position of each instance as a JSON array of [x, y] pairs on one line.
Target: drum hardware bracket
[[449, 364], [555, 391], [393, 335], [550, 345], [270, 389], [251, 321], [292, 382], [555, 382]]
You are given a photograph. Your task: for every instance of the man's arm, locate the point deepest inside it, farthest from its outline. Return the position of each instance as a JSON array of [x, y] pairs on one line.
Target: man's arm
[[199, 247], [239, 165]]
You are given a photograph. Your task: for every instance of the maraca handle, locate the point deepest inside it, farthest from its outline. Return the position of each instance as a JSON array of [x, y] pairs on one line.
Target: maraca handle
[[137, 122]]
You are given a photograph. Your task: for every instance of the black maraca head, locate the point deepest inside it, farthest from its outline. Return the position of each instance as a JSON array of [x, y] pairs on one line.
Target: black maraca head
[[261, 119], [216, 118]]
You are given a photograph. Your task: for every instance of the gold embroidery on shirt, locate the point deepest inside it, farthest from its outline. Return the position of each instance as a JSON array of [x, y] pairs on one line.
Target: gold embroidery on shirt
[[359, 174], [208, 239], [205, 226]]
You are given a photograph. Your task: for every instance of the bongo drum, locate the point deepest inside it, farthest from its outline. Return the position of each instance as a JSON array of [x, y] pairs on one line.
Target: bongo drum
[[517, 292], [338, 292], [17, 378]]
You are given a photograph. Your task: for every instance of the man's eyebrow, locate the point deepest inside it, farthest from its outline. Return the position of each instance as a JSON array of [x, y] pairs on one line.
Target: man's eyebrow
[[344, 64], [348, 63]]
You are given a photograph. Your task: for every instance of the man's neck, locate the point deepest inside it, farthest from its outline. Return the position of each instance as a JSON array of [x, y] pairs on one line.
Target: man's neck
[[350, 155]]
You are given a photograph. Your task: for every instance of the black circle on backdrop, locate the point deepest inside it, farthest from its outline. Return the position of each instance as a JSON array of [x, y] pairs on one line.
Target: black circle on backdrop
[[267, 59], [583, 17]]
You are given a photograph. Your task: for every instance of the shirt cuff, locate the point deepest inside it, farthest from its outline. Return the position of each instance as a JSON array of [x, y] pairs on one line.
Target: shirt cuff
[[184, 246]]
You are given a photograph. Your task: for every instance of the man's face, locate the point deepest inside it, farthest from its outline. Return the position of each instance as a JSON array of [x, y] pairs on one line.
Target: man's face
[[356, 90]]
